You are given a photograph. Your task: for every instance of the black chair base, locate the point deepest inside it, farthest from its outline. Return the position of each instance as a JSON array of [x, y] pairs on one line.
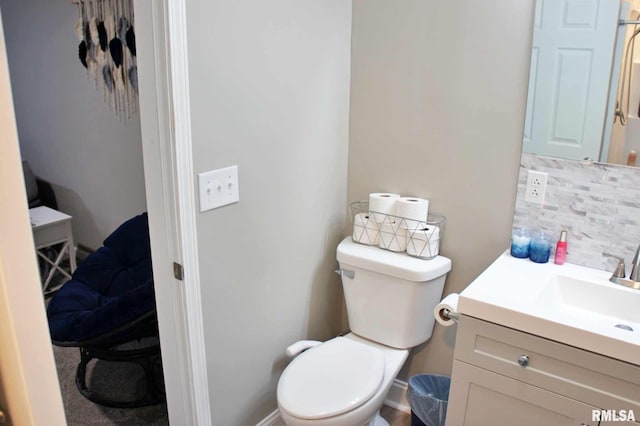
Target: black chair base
[[147, 357]]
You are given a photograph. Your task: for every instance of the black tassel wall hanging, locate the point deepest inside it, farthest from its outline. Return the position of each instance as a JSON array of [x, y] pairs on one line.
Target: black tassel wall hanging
[[108, 52]]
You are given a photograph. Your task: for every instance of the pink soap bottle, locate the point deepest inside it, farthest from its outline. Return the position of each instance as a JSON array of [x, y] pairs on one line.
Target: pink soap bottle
[[561, 249]]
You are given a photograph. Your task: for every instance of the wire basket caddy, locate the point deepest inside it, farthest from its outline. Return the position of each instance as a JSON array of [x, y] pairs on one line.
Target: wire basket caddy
[[417, 238]]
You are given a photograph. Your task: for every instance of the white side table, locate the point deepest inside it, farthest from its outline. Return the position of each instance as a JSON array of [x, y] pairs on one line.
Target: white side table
[[51, 227]]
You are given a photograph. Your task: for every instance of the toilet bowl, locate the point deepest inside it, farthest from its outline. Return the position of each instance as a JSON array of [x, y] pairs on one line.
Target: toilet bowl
[[390, 298], [343, 381]]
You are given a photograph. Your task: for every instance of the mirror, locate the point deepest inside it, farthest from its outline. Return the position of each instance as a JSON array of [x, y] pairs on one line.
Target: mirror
[[584, 83]]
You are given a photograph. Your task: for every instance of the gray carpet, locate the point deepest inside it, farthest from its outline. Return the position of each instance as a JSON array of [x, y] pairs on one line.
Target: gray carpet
[[111, 379]]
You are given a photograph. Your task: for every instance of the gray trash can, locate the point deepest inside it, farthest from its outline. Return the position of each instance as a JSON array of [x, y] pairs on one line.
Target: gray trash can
[[428, 395]]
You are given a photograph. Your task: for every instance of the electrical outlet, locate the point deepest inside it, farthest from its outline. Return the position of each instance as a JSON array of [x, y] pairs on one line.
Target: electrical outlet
[[218, 188], [536, 187]]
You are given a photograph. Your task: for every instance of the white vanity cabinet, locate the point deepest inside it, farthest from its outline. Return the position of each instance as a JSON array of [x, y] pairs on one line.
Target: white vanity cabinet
[[502, 376]]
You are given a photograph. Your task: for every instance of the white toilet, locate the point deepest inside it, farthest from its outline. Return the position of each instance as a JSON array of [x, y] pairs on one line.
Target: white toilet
[[390, 298]]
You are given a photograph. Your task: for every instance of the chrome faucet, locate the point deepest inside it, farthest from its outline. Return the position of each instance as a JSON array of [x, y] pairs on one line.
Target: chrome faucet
[[635, 270], [618, 275], [619, 272]]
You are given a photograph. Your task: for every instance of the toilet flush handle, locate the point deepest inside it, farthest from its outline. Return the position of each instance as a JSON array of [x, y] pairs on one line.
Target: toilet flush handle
[[345, 273]]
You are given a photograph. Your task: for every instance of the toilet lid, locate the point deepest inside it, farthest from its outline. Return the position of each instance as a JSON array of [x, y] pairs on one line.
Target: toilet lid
[[330, 379]]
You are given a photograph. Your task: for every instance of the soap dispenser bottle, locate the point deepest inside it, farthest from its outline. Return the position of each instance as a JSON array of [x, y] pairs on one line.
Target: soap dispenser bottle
[[561, 249]]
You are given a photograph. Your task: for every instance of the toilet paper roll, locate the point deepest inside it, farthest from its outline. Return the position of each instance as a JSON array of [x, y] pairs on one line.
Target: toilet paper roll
[[413, 210], [448, 304], [393, 237], [365, 230], [424, 242], [382, 204]]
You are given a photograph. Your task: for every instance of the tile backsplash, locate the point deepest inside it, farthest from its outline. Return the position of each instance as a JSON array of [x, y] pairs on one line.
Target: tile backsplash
[[597, 204]]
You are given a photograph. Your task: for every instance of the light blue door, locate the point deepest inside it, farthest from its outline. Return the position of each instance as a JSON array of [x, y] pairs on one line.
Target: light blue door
[[573, 44]]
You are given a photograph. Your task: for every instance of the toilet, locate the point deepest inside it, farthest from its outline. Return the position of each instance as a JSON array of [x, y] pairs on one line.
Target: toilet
[[390, 298]]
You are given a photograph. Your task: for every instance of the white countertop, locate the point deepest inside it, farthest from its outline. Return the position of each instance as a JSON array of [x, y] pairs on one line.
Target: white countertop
[[517, 293]]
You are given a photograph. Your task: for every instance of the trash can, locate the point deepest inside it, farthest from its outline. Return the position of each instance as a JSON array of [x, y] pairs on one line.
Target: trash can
[[428, 395]]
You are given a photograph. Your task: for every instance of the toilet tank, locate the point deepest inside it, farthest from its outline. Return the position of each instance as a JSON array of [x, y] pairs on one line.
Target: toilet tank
[[390, 297]]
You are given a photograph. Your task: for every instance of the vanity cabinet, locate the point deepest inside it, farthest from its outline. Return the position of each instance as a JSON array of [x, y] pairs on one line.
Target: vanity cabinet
[[504, 376]]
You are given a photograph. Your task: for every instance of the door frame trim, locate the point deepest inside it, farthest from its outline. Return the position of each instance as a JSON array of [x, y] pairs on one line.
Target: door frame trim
[[170, 185]]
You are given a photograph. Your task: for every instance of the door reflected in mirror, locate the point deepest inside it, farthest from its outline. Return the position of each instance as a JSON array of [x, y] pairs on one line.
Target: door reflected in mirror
[[584, 84]]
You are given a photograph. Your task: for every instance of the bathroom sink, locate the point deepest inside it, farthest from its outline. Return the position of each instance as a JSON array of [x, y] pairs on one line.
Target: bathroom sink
[[572, 304], [602, 304]]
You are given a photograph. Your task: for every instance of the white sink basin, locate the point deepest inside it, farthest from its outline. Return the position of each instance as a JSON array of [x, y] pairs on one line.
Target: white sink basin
[[571, 304], [601, 303]]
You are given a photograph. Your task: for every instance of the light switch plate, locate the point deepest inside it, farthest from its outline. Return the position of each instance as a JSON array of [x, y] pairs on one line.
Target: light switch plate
[[218, 188]]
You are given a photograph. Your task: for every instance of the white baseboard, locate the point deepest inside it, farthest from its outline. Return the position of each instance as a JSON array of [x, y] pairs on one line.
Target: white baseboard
[[397, 396], [272, 419], [396, 399]]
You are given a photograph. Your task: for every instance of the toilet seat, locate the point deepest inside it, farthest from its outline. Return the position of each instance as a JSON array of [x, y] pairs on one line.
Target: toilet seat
[[330, 379]]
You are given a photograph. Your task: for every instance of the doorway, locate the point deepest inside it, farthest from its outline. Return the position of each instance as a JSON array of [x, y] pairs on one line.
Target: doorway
[[71, 138]]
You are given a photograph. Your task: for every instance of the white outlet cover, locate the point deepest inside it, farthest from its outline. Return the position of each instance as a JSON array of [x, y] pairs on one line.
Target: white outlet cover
[[536, 187], [218, 188]]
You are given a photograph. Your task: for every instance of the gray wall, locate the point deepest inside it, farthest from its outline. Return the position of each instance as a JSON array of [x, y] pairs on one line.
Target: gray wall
[[437, 103], [270, 93], [66, 130], [438, 94]]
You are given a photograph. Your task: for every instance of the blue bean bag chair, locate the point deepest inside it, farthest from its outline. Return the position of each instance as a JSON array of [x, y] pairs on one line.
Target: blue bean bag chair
[[109, 301]]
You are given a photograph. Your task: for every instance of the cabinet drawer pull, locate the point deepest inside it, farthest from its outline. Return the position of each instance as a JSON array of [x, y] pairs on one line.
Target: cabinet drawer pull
[[523, 360]]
